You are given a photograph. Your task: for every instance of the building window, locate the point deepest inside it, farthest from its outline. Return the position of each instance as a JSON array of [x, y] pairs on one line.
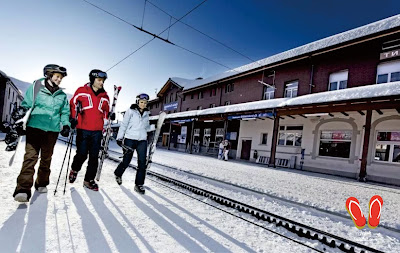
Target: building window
[[290, 135], [269, 93], [335, 143], [227, 103], [213, 92], [191, 96], [176, 96], [388, 147], [264, 137], [291, 89], [200, 95], [388, 72], [165, 99], [229, 87], [212, 105], [171, 97], [338, 80], [199, 107], [184, 97], [9, 90], [157, 105]]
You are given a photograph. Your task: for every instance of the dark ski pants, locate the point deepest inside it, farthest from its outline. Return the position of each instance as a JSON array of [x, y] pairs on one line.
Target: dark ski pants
[[36, 141], [87, 142], [141, 149]]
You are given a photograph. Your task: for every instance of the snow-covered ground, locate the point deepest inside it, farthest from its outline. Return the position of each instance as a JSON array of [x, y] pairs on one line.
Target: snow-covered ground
[[117, 219]]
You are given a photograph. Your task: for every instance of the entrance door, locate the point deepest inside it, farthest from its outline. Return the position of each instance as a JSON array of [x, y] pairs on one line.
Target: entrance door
[[165, 138], [246, 147]]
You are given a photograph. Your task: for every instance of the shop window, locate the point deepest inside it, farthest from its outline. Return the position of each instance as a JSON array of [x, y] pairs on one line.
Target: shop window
[[388, 72], [219, 135], [335, 143], [206, 137], [291, 89], [269, 93], [338, 80], [387, 147], [264, 137], [290, 135]]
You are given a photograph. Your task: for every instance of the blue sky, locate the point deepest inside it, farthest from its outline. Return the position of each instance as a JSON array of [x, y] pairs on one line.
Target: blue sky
[[81, 37]]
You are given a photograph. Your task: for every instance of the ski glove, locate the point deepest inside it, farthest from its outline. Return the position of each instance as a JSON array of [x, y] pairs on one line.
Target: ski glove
[[73, 122], [119, 142], [112, 116], [65, 131]]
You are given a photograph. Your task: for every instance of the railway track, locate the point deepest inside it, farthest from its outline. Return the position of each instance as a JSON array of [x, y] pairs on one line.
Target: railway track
[[297, 228]]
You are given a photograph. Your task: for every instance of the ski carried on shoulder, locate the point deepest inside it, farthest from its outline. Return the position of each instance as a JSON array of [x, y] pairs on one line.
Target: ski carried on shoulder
[[153, 144], [107, 134]]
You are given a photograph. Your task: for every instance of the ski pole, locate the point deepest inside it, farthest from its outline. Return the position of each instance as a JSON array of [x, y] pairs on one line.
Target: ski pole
[[69, 146], [69, 157]]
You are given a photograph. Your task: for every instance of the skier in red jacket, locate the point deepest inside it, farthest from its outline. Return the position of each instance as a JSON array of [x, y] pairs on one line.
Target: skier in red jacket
[[95, 108]]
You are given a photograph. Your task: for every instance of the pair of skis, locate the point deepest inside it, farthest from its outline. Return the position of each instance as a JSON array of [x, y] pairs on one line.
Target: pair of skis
[[106, 136]]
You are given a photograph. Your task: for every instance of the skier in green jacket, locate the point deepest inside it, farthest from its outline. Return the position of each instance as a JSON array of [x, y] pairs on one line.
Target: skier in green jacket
[[49, 111]]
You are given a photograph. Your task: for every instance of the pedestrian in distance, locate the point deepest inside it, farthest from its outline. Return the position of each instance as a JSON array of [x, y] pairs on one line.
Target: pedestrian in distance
[[49, 111], [221, 150], [227, 147], [132, 135], [89, 124]]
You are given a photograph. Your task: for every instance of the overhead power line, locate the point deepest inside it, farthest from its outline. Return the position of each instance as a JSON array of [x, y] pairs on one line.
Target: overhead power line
[[157, 36], [208, 36]]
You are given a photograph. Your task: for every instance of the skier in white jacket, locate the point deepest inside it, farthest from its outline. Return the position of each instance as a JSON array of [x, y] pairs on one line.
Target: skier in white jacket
[[133, 134]]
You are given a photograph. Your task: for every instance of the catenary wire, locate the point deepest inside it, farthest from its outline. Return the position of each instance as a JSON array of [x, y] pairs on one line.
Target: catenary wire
[[178, 20]]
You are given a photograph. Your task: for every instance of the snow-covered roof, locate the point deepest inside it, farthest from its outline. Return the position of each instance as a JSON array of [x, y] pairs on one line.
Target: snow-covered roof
[[366, 30], [368, 91], [363, 92], [249, 106]]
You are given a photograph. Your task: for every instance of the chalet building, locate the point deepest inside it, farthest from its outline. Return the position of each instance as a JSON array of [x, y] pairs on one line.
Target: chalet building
[[330, 106], [10, 97]]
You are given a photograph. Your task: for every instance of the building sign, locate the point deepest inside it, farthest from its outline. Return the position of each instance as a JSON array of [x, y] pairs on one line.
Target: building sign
[[181, 121], [171, 106], [390, 54], [255, 115]]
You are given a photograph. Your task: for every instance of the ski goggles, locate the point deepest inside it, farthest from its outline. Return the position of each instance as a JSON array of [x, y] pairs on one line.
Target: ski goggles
[[100, 75], [143, 96]]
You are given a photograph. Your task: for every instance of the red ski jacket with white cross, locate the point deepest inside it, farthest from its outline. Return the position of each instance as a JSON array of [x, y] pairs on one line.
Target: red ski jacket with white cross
[[95, 108]]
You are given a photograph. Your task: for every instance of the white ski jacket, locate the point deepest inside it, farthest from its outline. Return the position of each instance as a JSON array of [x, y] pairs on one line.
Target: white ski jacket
[[134, 126]]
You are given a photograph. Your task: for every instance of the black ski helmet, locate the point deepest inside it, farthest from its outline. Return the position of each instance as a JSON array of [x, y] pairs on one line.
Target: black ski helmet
[[142, 96], [95, 73], [50, 69]]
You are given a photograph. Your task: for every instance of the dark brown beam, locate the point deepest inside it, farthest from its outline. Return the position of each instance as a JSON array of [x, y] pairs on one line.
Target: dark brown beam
[[303, 116], [330, 114], [367, 129], [291, 117], [344, 113], [340, 108], [361, 112], [281, 117], [379, 111]]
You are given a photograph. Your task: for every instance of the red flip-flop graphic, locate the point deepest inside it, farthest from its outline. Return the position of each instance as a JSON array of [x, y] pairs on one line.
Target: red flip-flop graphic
[[375, 209], [353, 208]]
